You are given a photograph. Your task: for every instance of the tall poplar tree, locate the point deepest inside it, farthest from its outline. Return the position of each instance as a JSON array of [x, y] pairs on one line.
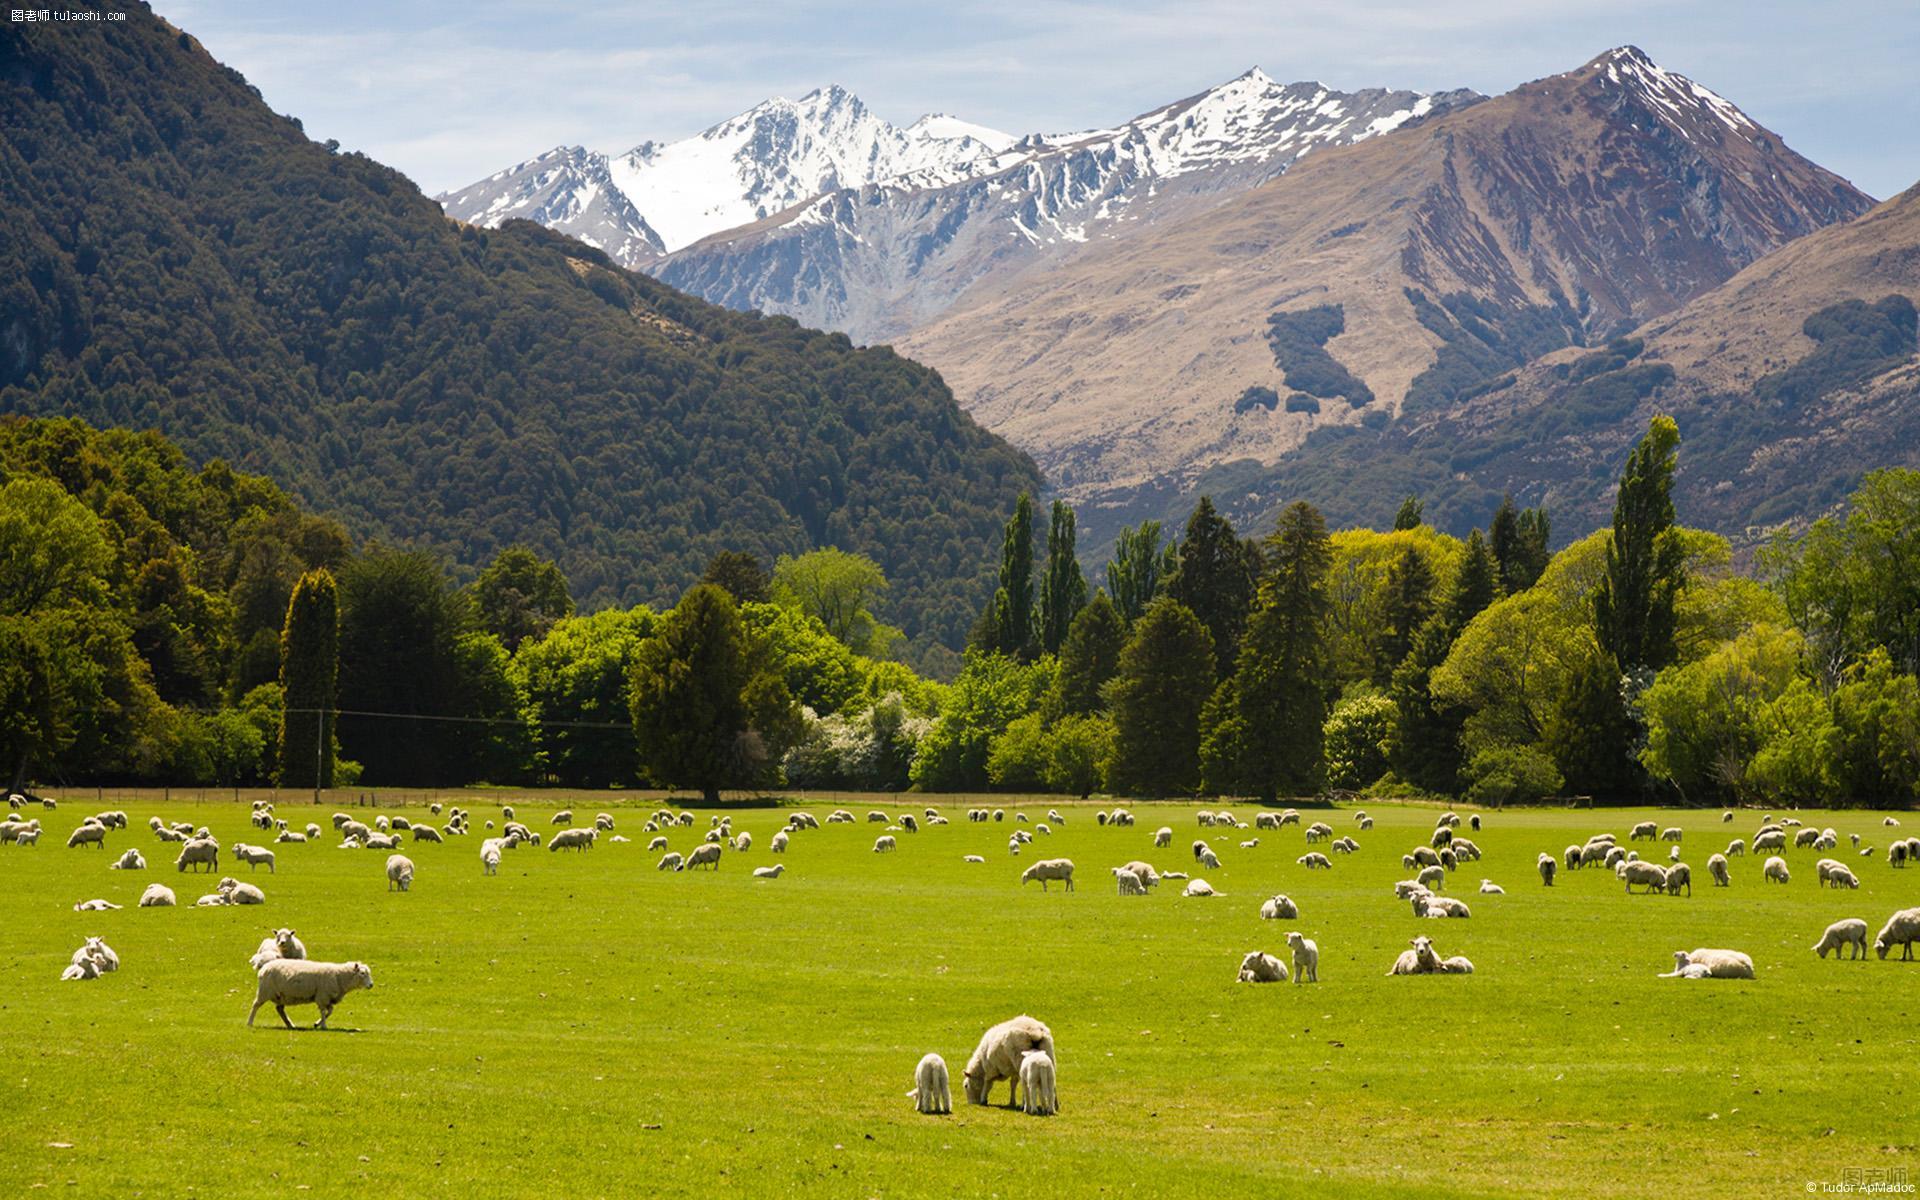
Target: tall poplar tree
[[309, 678], [1063, 591], [1133, 573], [1633, 608]]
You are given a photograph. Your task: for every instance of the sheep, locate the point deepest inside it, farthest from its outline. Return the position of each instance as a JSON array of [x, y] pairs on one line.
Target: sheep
[[1720, 964], [1250, 844], [281, 943], [1306, 958], [1121, 816], [1315, 861], [95, 906], [1162, 837], [1682, 969], [1013, 845], [1645, 830], [1897, 855], [357, 830], [1366, 823], [1600, 852], [772, 872], [90, 833], [1448, 860], [1425, 856], [1851, 932], [603, 821], [299, 981], [382, 841], [573, 839], [313, 832], [254, 856], [1128, 883], [660, 843], [426, 833], [1489, 888], [1679, 875], [196, 852], [779, 843], [1464, 850], [1408, 888], [1260, 967], [1432, 878], [101, 954], [1145, 872], [130, 861], [670, 862], [910, 825], [973, 858], [1319, 831], [1717, 867], [1053, 814], [1346, 845], [1266, 820], [399, 872], [706, 855], [434, 808], [884, 843], [1199, 887], [490, 856], [1547, 865], [1571, 856], [930, 1094], [1776, 870], [999, 814], [1736, 848], [157, 895], [85, 968], [1901, 929], [241, 893], [1671, 834], [1425, 904], [1442, 837], [999, 1055], [27, 837], [1049, 868], [1652, 877], [290, 837], [213, 900], [1458, 964], [1891, 822], [1776, 840], [1418, 961], [563, 817], [1037, 1084]]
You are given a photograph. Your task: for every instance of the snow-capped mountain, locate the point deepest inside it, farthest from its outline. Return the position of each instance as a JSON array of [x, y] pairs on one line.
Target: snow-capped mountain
[[879, 259], [659, 197]]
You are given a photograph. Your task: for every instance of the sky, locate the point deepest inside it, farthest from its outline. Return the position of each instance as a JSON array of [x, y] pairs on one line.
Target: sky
[[452, 92]]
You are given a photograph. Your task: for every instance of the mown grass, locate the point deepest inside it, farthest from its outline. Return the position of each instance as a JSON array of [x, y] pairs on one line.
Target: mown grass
[[583, 1025]]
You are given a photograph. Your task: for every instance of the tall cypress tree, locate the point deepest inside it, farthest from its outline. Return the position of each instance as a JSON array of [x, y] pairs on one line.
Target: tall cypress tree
[[1425, 750], [1409, 603], [1411, 515], [309, 679], [1006, 627], [1280, 674], [1133, 573], [1088, 658], [1503, 537], [1215, 579], [1634, 605], [1063, 592], [1163, 679], [1536, 531], [1477, 586]]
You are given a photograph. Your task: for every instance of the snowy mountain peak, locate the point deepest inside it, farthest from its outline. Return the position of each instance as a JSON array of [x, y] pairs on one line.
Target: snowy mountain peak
[[1671, 94]]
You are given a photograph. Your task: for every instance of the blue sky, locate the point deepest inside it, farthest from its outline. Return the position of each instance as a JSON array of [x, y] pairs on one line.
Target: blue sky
[[450, 92]]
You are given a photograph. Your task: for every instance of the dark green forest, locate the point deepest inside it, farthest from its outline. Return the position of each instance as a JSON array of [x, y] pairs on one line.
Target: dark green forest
[[178, 257]]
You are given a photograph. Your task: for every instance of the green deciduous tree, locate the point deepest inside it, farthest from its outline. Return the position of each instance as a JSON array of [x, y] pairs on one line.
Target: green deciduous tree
[[1164, 678], [309, 682], [520, 595], [1133, 573], [992, 692], [1706, 720], [573, 683], [1063, 591], [1357, 735], [840, 590], [740, 575]]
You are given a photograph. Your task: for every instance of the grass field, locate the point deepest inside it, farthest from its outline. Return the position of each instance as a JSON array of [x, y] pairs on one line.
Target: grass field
[[583, 1025]]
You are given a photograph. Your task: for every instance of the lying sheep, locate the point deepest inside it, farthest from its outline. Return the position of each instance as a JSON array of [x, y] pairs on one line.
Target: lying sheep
[[157, 895], [772, 872], [1720, 964], [383, 841], [1901, 929], [81, 969], [290, 837], [399, 872], [1060, 869], [1420, 960], [1260, 967], [1850, 932], [95, 906], [100, 953], [1198, 887], [1306, 958], [1489, 888], [973, 858], [1280, 908], [930, 1094], [298, 981], [999, 1054], [130, 861], [1037, 1084], [241, 893], [1776, 870], [1428, 905], [706, 855]]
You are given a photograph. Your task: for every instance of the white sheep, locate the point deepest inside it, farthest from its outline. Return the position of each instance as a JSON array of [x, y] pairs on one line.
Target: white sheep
[[772, 872], [241, 893], [1652, 877], [779, 843], [1149, 878], [743, 842], [1672, 834], [254, 856], [1647, 830], [1679, 875], [1432, 878], [95, 906], [579, 840], [670, 862], [1776, 870], [1053, 814], [1420, 960], [1851, 932], [1547, 864], [130, 861], [1736, 848], [705, 855], [1128, 883], [1280, 908], [490, 856], [1717, 867], [999, 1054], [1901, 929], [90, 833], [1163, 837], [1775, 840], [1841, 877], [1209, 860], [973, 858], [1260, 967], [299, 981], [399, 872], [1720, 964], [1425, 904], [563, 817], [1060, 869], [1489, 888], [1250, 844], [290, 837], [1306, 958], [930, 1094], [1040, 1098], [102, 955], [281, 943], [1315, 861], [1682, 969], [1198, 887], [883, 843], [427, 833], [157, 895]]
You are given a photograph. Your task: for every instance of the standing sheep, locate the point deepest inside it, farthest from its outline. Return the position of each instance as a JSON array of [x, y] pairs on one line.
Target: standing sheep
[[1679, 875], [294, 981], [1037, 1085], [490, 856], [197, 852], [930, 1094], [1149, 878], [1547, 864], [1901, 929], [399, 874], [779, 843], [1776, 870], [1260, 967], [1049, 868], [706, 855], [1306, 956], [1128, 883], [883, 843], [999, 1054], [1162, 837], [1851, 932], [670, 862], [254, 856], [1717, 867], [90, 833]]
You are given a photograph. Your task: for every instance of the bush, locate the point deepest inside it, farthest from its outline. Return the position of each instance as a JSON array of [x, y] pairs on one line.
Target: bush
[[1356, 736], [1499, 775]]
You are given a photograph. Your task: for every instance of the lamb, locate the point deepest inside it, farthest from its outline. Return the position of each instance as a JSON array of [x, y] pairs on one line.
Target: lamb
[[603, 821], [299, 981], [1652, 877], [1679, 875], [573, 839], [1489, 888], [670, 862], [102, 955], [1720, 964], [1259, 967], [253, 856], [427, 833], [1053, 814], [772, 872], [973, 858], [1672, 834], [1199, 887], [95, 906], [1013, 845], [999, 1055], [1547, 865], [241, 893], [1148, 877], [779, 843], [130, 861], [1736, 848], [213, 900], [1717, 867], [1841, 877], [83, 968], [1682, 969], [1306, 958], [313, 832], [1162, 837], [1049, 868], [1901, 929], [90, 833], [1128, 883], [399, 872], [1280, 908], [660, 843], [1776, 870], [1209, 860], [1250, 844], [157, 895], [1036, 1084], [1432, 878], [281, 943], [930, 1094], [883, 843], [1319, 831], [707, 856], [1315, 860], [1851, 932], [382, 841]]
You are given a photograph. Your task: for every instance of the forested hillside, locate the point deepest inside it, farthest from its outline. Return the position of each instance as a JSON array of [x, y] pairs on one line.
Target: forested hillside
[[179, 257]]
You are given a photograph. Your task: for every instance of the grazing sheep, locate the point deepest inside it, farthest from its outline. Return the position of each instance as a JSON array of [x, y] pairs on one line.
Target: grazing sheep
[[1720, 964], [1679, 875], [91, 833], [573, 839], [1163, 837], [1198, 887], [357, 830], [1489, 888], [1049, 868], [1013, 845], [999, 1055], [671, 862], [95, 906], [907, 823], [1717, 867], [1425, 856], [1260, 967], [1366, 823], [1043, 828], [1776, 870], [1315, 861], [1209, 860], [399, 872], [157, 895], [1149, 878], [772, 872], [490, 857], [1039, 1097], [1645, 830], [254, 856], [1280, 908], [130, 861], [427, 833], [1671, 834], [196, 852], [312, 832], [779, 843], [1547, 865], [1464, 850], [1306, 957], [1726, 816], [1805, 838], [1775, 840], [1432, 878], [1736, 848], [563, 817], [1128, 883], [1053, 814], [930, 1094], [1840, 877], [660, 843], [603, 821], [299, 981], [1897, 855], [1652, 877], [883, 843], [1851, 932], [1901, 929]]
